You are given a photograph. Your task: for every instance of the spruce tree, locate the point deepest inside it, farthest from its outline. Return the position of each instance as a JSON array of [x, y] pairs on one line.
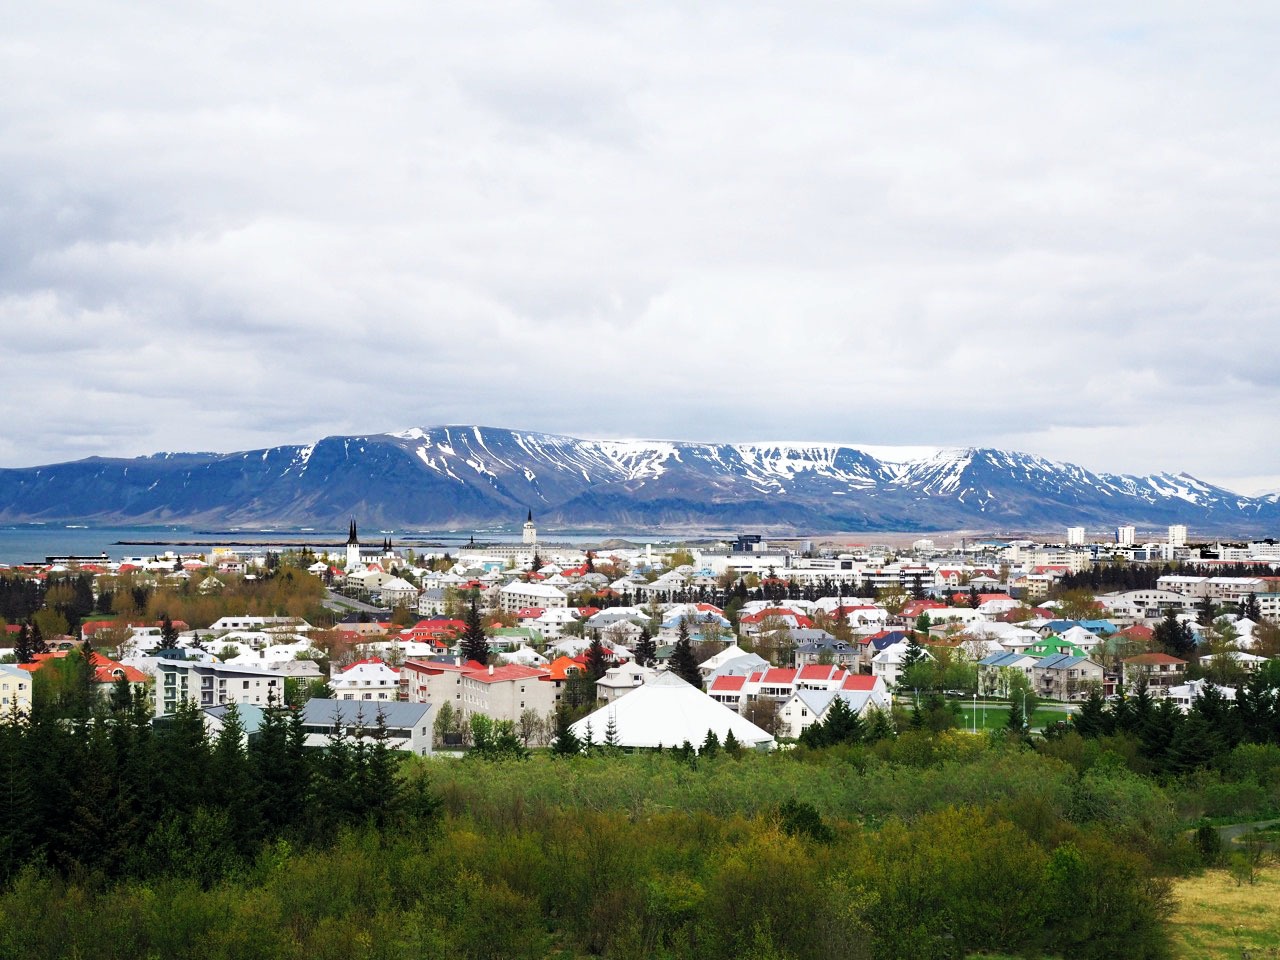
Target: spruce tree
[[879, 726], [710, 745], [24, 649], [474, 643], [1157, 732], [1251, 609], [1016, 721], [1174, 636], [1090, 721], [597, 660], [566, 743], [646, 650], [732, 747], [682, 662]]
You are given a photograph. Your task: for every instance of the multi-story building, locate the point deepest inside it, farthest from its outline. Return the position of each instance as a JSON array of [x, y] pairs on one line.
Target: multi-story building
[[15, 691], [1159, 671], [1065, 677], [502, 693], [408, 726], [518, 595], [369, 679], [214, 684]]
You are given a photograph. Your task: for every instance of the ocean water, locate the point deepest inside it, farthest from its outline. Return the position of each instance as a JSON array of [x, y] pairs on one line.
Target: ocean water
[[34, 542]]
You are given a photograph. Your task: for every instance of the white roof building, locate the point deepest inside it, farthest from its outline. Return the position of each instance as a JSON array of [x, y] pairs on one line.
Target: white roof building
[[366, 680], [666, 712]]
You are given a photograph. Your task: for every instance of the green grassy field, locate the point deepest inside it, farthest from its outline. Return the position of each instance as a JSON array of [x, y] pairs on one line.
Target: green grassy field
[[996, 715]]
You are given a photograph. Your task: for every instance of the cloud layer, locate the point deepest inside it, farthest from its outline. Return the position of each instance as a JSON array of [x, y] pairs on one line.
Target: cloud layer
[[1047, 226]]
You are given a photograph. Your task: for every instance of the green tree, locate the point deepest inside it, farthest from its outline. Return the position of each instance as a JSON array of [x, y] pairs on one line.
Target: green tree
[[168, 632], [1173, 636], [646, 650], [24, 650], [1206, 612], [474, 644], [566, 742], [597, 659], [1091, 720], [682, 662]]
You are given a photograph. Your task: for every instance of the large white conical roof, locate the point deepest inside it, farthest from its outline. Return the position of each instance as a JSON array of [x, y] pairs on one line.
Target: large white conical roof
[[666, 711]]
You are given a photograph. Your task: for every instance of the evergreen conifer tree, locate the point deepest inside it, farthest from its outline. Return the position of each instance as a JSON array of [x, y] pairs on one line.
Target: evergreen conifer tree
[[597, 659], [1016, 721], [1194, 744], [37, 640], [1251, 609], [646, 650], [1090, 721], [474, 643], [566, 742], [682, 662], [24, 649], [732, 747], [710, 745]]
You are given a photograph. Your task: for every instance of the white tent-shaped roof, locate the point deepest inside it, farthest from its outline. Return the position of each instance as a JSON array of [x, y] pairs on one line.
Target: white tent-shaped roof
[[666, 711]]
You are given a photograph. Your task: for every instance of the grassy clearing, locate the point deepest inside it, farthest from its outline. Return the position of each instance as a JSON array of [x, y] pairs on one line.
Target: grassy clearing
[[996, 715], [1218, 918]]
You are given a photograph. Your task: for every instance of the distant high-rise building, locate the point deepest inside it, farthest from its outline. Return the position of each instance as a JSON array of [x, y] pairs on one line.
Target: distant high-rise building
[[1178, 535], [1075, 536], [1126, 536]]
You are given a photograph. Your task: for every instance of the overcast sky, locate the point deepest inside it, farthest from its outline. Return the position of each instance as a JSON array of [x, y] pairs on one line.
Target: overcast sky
[[1053, 227]]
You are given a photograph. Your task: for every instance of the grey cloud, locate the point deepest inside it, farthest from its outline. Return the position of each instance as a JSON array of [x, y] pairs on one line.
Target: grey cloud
[[1044, 226]]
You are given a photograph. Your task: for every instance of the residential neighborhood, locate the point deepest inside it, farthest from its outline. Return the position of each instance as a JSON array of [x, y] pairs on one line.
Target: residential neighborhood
[[777, 633]]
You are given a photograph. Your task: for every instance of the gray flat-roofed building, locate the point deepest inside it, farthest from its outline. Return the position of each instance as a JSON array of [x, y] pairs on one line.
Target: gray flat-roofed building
[[408, 724]]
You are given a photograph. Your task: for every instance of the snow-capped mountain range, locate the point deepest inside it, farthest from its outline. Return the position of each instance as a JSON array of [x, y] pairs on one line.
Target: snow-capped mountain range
[[468, 475]]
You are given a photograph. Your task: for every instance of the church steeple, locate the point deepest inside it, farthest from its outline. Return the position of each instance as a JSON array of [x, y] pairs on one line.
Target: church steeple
[[530, 531], [353, 548]]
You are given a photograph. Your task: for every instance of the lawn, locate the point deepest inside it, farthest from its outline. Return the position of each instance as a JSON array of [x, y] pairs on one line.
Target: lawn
[[1218, 918], [996, 715]]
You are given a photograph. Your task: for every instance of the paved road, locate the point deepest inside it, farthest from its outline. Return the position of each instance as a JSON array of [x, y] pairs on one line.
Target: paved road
[[336, 601]]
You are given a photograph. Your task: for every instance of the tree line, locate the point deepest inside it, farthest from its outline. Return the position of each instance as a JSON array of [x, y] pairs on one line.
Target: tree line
[[108, 793]]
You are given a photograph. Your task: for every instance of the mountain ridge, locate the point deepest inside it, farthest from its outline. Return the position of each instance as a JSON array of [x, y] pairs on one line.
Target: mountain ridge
[[456, 475]]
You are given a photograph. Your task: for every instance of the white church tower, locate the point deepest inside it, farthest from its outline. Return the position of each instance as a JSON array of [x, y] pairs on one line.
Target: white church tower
[[353, 548], [530, 531]]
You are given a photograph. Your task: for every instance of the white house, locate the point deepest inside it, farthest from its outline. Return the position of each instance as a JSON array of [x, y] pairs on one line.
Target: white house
[[887, 664], [622, 679], [369, 679], [397, 592], [807, 707]]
